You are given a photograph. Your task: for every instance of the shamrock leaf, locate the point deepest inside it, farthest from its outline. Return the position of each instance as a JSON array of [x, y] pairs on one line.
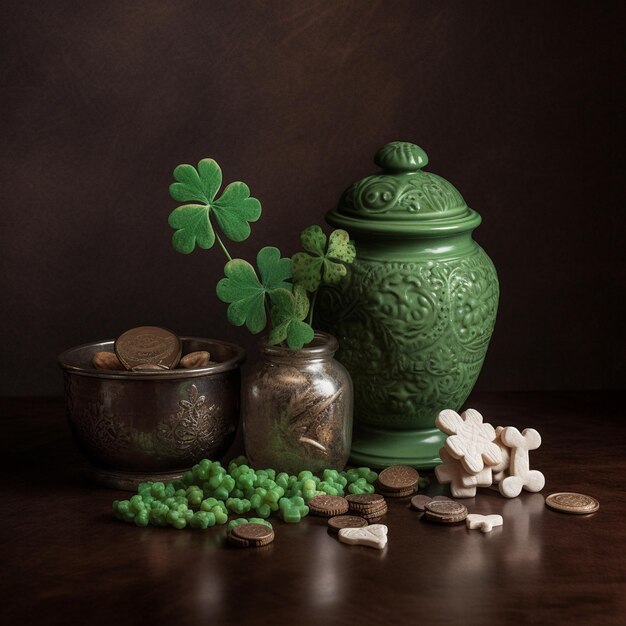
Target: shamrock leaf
[[232, 211], [324, 264], [288, 312], [246, 293]]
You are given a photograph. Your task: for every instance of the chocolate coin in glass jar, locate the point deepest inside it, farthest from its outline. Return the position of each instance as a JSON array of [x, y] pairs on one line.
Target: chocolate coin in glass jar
[[148, 345]]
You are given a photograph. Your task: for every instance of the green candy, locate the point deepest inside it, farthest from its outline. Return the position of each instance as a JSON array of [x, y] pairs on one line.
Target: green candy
[[293, 509], [360, 486], [194, 495], [237, 489], [238, 505], [202, 519], [247, 520]]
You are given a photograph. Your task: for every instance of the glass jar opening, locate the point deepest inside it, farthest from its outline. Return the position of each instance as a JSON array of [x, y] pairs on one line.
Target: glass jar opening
[[323, 347]]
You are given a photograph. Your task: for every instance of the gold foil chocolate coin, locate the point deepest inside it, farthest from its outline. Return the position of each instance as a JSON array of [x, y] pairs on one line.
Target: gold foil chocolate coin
[[576, 503], [148, 345]]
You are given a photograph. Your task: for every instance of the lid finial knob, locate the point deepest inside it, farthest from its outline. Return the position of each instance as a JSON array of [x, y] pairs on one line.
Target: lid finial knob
[[401, 156]]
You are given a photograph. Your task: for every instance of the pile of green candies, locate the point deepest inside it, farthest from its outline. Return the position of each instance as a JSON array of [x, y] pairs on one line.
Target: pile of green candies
[[209, 493]]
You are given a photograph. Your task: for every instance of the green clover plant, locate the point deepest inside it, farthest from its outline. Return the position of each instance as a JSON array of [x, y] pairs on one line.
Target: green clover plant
[[276, 290]]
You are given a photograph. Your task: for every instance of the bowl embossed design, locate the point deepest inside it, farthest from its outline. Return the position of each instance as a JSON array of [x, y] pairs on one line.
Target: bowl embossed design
[[151, 425]]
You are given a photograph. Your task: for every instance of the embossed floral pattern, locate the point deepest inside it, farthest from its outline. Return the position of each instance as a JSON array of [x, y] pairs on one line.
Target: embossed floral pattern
[[412, 335], [195, 429]]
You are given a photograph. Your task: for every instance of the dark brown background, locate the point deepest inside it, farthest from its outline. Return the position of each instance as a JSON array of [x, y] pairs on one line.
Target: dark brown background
[[516, 103]]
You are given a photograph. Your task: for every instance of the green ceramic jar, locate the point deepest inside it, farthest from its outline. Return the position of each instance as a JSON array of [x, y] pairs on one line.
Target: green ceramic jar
[[416, 312]]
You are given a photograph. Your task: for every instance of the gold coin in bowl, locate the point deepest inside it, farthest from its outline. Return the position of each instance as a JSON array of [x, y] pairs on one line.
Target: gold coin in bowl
[[148, 345]]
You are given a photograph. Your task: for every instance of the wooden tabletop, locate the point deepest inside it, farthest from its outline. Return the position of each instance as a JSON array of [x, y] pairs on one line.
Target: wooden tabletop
[[66, 560]]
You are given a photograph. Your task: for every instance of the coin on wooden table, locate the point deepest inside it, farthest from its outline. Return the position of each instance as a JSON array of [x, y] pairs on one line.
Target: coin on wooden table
[[328, 506], [148, 345], [445, 511], [256, 534], [398, 478], [398, 493], [576, 503], [366, 502], [346, 521], [419, 502]]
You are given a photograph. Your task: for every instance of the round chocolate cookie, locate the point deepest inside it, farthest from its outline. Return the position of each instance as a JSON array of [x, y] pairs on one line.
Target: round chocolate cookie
[[400, 493], [366, 501], [419, 502], [328, 506], [148, 345], [398, 478], [445, 511], [346, 521], [251, 535], [575, 503]]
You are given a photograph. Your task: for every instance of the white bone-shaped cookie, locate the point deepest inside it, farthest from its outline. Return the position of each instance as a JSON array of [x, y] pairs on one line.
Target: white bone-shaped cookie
[[374, 536], [470, 440], [520, 475], [483, 522], [451, 471], [500, 469]]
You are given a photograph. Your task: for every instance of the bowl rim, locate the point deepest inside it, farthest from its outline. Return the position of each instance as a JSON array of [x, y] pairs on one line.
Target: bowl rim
[[219, 368]]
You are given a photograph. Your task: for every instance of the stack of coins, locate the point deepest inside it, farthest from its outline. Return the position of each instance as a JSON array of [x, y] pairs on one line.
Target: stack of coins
[[149, 348], [372, 507], [419, 502], [328, 506], [397, 481], [250, 536], [445, 511]]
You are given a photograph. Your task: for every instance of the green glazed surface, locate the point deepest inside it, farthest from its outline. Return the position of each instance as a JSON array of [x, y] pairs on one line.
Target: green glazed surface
[[416, 312]]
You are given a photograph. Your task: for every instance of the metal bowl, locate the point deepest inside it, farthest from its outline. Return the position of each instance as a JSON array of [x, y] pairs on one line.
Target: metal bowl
[[151, 425]]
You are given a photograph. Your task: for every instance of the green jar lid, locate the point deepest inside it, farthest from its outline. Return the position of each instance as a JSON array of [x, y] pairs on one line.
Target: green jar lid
[[403, 199]]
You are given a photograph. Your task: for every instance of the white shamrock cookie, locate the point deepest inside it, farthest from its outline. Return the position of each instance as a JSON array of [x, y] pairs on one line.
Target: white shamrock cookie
[[374, 536], [451, 471], [483, 522], [484, 478], [499, 470], [520, 476], [470, 440]]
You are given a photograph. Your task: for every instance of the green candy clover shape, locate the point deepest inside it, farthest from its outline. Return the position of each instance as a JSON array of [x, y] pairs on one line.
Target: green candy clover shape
[[233, 210], [288, 312], [246, 293], [323, 264]]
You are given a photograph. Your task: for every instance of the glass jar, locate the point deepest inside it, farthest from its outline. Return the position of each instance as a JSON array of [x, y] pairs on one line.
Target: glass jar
[[297, 408]]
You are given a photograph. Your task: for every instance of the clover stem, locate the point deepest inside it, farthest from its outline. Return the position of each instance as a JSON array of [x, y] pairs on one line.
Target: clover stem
[[223, 247], [312, 306], [268, 311]]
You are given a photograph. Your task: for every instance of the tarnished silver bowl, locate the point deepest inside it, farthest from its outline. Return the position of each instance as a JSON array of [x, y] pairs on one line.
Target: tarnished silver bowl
[[151, 425]]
